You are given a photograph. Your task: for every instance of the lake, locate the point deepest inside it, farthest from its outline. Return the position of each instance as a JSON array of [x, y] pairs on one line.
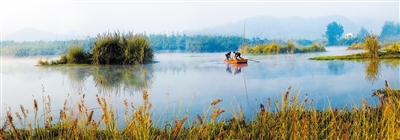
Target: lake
[[191, 81]]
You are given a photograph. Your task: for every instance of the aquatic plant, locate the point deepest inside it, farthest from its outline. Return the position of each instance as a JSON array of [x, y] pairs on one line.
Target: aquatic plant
[[288, 118], [110, 49], [392, 47], [289, 48], [356, 46], [76, 55], [372, 45]]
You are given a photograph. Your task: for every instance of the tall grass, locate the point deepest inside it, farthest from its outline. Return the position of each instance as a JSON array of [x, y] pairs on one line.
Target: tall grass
[[288, 118], [372, 45], [275, 48], [76, 55], [127, 49], [356, 46], [392, 47], [110, 49]]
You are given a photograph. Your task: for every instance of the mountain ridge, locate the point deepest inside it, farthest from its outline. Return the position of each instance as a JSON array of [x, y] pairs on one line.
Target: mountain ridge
[[263, 26]]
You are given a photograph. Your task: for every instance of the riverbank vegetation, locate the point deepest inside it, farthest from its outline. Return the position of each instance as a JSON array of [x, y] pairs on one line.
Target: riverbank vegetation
[[275, 48], [109, 49], [374, 50], [173, 42], [290, 118]]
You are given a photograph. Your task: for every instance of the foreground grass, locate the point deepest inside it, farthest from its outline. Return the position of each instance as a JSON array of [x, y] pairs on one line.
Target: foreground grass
[[290, 118]]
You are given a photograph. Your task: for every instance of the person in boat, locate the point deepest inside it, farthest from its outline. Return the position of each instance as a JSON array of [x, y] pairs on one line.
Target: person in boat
[[237, 55], [228, 55]]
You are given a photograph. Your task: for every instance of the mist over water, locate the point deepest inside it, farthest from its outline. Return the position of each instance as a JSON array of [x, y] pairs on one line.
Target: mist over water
[[180, 81]]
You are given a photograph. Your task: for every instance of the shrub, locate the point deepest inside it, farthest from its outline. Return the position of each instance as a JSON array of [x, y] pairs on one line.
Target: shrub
[[137, 49], [258, 49], [121, 49], [76, 55], [108, 49], [372, 45], [272, 48], [392, 47]]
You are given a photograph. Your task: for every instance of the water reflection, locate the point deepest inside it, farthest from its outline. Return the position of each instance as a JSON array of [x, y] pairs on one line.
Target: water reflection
[[236, 67], [122, 78], [127, 79], [335, 67], [373, 67], [372, 70]]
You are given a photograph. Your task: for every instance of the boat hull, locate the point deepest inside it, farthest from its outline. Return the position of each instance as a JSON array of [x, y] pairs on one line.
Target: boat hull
[[236, 61]]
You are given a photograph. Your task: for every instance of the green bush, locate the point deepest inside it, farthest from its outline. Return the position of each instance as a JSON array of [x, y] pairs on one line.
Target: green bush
[[110, 49], [122, 49], [272, 48], [258, 49], [137, 50], [76, 55]]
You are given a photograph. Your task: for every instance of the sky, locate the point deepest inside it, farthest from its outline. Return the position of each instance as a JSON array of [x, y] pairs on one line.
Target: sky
[[88, 18]]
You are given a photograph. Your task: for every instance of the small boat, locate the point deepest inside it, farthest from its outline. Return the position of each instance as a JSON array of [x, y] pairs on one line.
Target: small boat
[[236, 61], [239, 65]]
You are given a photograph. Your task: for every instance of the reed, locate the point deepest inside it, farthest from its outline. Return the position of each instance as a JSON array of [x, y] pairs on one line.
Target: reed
[[291, 117], [289, 48], [372, 45], [109, 49]]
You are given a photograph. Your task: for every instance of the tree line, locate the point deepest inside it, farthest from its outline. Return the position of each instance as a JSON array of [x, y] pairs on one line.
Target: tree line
[[334, 31], [159, 43]]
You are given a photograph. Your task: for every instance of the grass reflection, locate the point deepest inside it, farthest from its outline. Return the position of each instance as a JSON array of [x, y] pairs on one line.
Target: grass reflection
[[118, 79], [122, 78], [372, 70], [373, 65]]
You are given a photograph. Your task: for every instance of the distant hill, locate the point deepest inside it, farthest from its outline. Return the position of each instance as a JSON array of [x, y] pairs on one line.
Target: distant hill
[[31, 34], [291, 28]]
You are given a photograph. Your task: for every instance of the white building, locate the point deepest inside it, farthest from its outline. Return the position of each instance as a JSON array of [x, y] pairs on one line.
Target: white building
[[349, 35]]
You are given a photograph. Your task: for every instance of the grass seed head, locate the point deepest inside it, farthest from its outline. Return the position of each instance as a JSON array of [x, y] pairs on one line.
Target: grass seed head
[[216, 102]]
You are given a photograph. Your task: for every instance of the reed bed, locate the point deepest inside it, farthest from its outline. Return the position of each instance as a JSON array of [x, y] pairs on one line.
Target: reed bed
[[287, 118], [275, 48]]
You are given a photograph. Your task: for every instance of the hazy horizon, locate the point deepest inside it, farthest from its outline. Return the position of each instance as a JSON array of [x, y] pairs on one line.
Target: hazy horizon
[[87, 18]]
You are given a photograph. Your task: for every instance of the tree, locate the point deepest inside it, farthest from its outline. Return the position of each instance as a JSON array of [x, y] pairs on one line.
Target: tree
[[363, 32], [333, 33], [389, 29]]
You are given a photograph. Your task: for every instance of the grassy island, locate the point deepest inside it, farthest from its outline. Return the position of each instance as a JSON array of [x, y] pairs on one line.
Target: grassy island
[[275, 48], [374, 50], [109, 49]]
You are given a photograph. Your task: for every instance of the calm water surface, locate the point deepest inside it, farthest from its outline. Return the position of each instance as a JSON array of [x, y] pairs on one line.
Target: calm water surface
[[180, 81]]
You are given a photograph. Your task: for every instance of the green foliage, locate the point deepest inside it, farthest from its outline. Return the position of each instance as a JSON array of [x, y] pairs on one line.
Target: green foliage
[[390, 29], [363, 32], [43, 48], [76, 55], [272, 48], [275, 48], [137, 49], [245, 49], [333, 33], [108, 49], [258, 49]]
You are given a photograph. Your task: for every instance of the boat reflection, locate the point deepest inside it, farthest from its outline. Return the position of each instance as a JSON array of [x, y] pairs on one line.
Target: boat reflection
[[236, 67]]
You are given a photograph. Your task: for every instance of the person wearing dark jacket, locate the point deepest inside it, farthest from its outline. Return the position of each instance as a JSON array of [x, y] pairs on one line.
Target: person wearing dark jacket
[[237, 55], [228, 55]]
